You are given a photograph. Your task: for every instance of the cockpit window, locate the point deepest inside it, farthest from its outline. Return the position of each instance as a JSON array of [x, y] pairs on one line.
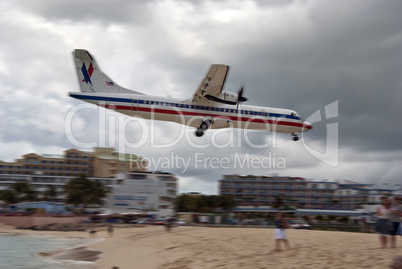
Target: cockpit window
[[294, 114]]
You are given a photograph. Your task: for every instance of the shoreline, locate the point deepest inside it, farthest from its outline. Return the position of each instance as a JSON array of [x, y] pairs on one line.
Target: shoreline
[[78, 254], [205, 247]]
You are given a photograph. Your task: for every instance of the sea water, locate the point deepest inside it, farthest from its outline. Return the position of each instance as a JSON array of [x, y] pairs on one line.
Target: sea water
[[21, 252]]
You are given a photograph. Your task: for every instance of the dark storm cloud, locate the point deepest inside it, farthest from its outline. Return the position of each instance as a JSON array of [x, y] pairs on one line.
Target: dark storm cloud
[[349, 54]]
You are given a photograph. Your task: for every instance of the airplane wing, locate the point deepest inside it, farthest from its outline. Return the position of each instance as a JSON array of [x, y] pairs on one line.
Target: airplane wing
[[212, 84]]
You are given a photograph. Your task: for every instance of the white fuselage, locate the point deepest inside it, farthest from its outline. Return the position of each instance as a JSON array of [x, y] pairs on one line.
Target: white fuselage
[[193, 114]]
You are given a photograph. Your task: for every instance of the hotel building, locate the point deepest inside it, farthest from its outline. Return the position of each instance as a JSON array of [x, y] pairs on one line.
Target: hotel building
[[299, 192], [130, 187], [102, 162]]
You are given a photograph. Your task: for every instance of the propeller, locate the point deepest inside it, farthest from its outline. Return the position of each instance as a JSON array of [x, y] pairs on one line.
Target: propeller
[[240, 97]]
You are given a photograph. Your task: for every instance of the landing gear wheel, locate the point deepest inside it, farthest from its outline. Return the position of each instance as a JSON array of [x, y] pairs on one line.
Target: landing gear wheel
[[204, 126], [199, 132], [295, 138]]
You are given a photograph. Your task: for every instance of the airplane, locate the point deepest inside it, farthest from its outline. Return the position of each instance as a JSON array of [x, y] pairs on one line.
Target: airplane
[[209, 108]]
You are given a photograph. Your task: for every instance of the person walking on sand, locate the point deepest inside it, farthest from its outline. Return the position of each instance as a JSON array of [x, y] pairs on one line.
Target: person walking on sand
[[168, 224], [394, 217], [383, 226], [281, 224], [92, 232], [110, 230]]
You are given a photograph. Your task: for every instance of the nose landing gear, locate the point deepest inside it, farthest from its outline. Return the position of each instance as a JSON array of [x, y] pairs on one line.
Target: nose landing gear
[[295, 137], [203, 127]]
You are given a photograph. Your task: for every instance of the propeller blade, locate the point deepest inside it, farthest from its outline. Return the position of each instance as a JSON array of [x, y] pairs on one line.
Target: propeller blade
[[241, 98]]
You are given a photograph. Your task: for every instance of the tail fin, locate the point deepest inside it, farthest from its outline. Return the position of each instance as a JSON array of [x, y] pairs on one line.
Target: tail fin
[[91, 78]]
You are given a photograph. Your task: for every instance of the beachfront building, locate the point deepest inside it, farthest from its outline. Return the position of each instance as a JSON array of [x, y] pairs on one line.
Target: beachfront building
[[134, 192], [100, 163], [42, 183], [144, 192], [297, 192], [52, 171]]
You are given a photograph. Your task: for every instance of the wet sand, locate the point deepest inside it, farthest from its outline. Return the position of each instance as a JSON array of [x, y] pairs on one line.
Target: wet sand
[[201, 247]]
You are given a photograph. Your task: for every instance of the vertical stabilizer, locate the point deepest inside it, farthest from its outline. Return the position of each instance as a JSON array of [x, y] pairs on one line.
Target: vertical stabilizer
[[91, 78]]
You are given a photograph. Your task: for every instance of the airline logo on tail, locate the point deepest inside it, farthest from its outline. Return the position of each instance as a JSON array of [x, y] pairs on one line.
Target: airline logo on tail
[[87, 73]]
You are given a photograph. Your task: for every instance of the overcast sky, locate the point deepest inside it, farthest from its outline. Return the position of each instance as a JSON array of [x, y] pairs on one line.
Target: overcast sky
[[337, 63]]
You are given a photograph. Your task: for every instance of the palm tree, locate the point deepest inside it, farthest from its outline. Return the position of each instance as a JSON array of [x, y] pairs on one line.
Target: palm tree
[[50, 193], [8, 197], [82, 192], [279, 202], [24, 191]]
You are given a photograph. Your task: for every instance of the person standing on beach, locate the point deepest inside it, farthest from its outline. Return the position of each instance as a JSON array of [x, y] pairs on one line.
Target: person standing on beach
[[168, 224], [383, 227], [110, 230], [394, 217], [281, 224]]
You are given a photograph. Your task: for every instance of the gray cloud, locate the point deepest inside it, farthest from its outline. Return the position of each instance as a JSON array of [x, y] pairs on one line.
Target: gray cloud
[[302, 55]]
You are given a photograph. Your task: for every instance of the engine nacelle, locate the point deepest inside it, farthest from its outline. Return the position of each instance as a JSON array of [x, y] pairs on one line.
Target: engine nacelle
[[224, 97]]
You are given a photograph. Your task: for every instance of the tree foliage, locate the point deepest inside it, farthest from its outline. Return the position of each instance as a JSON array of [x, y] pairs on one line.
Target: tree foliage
[[279, 202], [82, 192], [204, 203], [9, 197], [24, 191], [18, 192], [50, 193]]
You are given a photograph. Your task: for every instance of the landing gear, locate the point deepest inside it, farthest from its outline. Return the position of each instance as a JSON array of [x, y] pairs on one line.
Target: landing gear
[[295, 137], [203, 127], [199, 132]]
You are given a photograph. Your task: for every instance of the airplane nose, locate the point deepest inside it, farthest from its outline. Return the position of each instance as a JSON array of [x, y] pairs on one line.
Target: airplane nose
[[307, 126]]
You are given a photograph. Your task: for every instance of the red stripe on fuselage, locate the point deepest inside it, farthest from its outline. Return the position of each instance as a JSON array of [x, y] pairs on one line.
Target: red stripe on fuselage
[[187, 113]]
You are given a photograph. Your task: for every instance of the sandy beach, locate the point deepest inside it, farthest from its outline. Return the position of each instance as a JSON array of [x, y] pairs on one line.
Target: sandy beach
[[201, 247]]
